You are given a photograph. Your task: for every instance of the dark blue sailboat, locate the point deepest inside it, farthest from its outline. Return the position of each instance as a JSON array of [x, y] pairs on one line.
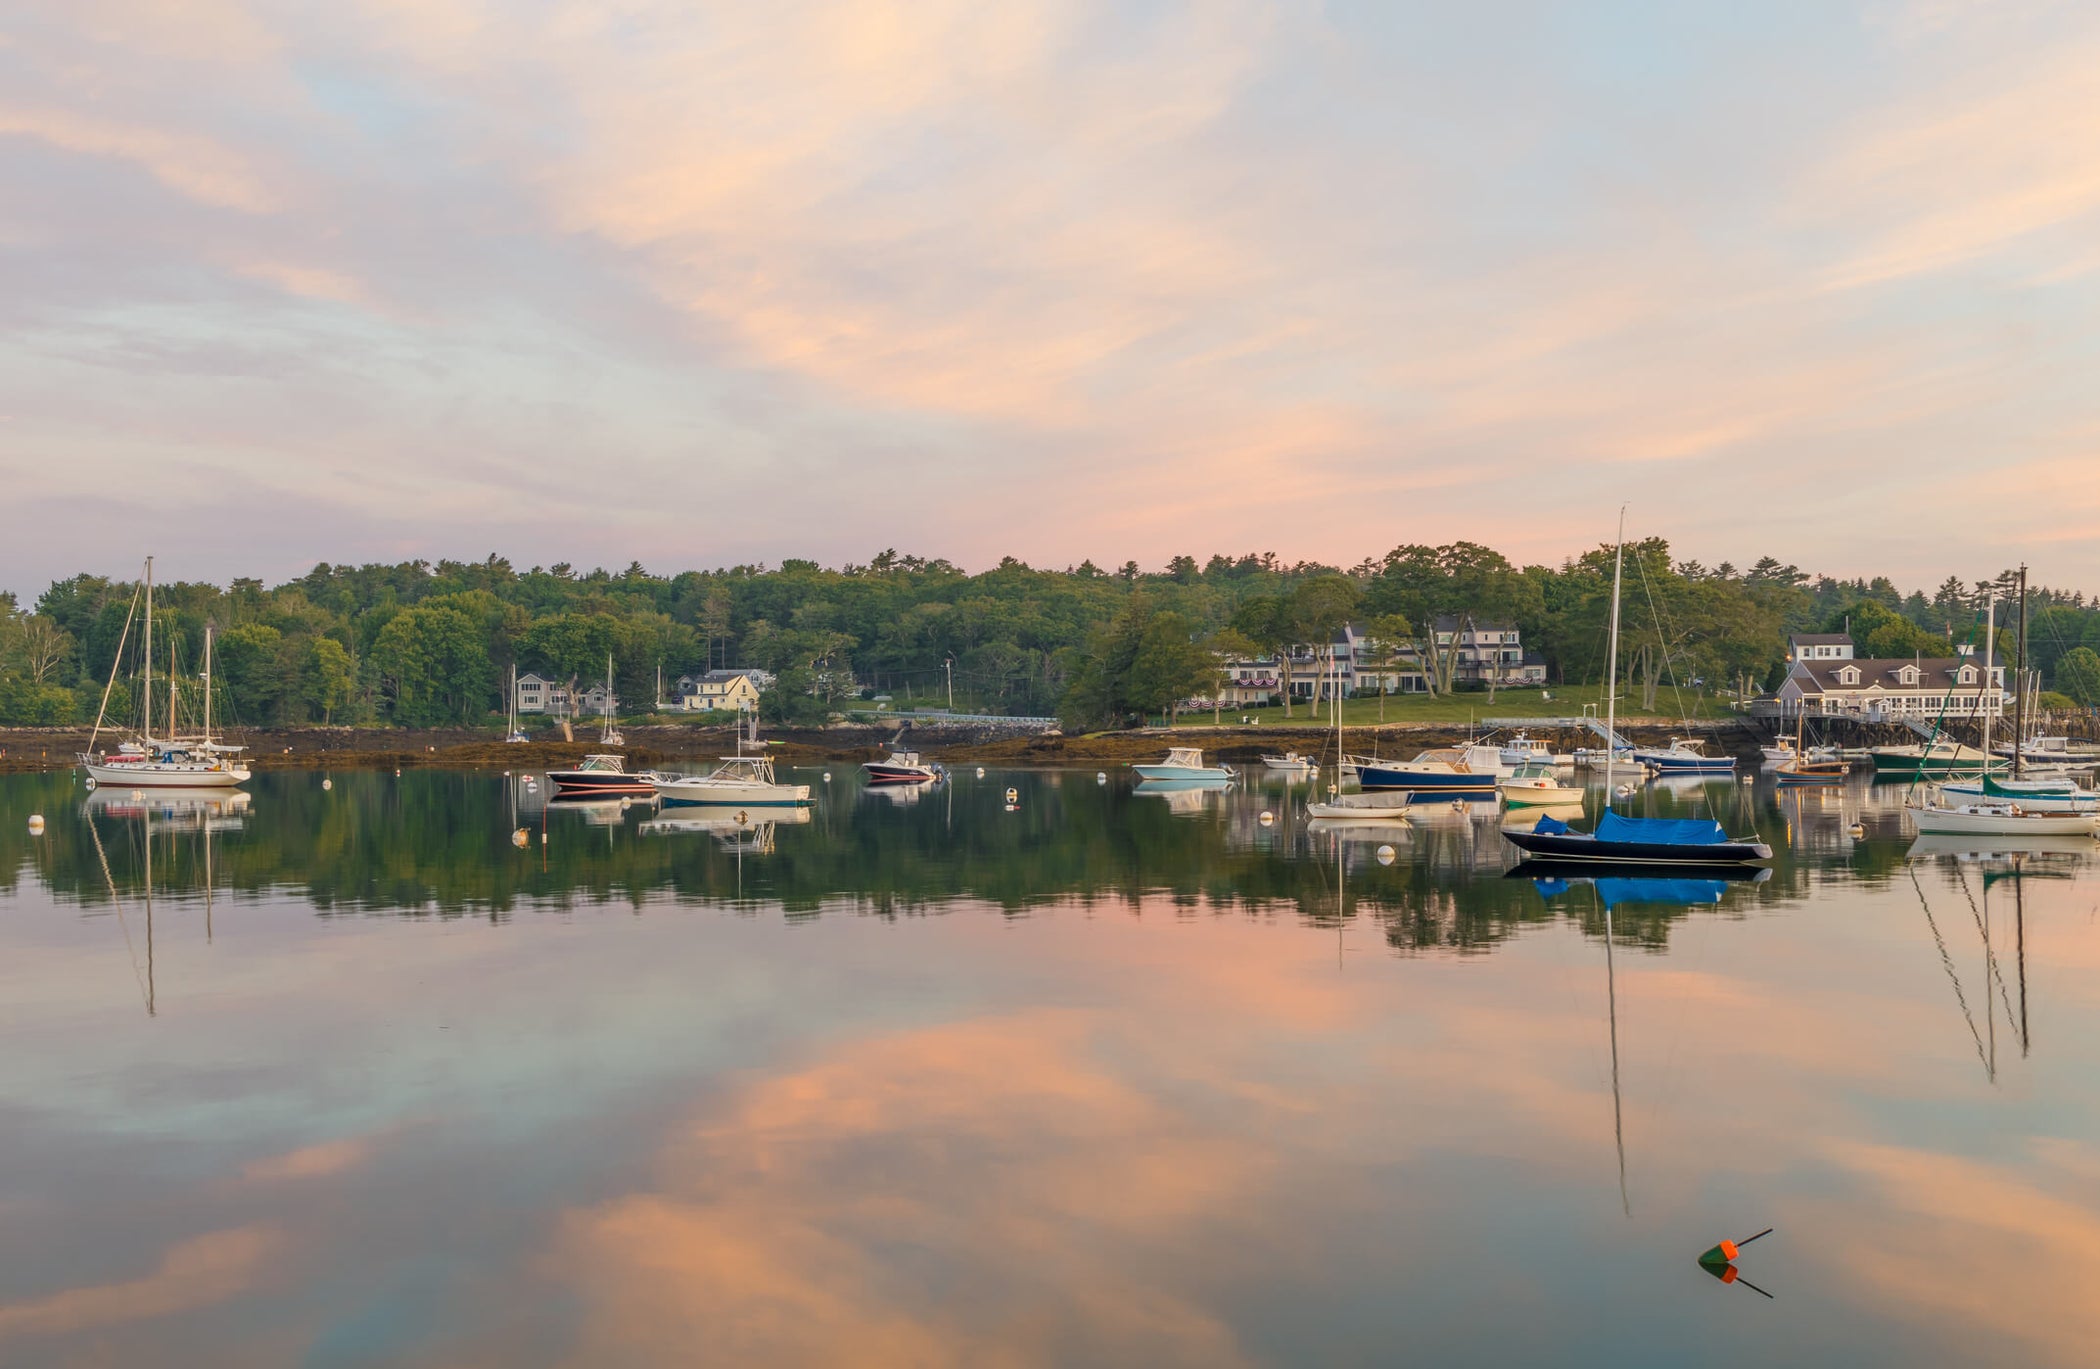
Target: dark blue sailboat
[[1621, 840]]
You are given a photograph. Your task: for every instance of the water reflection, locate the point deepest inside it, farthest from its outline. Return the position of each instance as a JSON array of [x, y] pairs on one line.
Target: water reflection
[[1081, 1082]]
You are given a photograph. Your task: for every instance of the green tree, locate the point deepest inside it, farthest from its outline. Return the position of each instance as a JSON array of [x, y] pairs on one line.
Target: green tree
[[1223, 649], [1167, 667], [327, 678], [1385, 636], [2078, 676], [437, 665], [249, 666]]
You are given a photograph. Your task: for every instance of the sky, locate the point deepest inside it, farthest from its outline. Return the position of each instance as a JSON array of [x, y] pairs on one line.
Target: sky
[[701, 285]]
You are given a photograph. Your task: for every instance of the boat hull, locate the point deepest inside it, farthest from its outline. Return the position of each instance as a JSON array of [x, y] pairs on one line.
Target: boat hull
[[703, 792], [1183, 774], [879, 773], [1944, 822], [1676, 763], [1447, 784], [2054, 802], [163, 775], [581, 782], [1541, 795], [1587, 850]]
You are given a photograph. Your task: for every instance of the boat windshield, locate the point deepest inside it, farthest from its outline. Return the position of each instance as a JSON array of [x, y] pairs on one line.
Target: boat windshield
[[615, 764], [1185, 755], [753, 769]]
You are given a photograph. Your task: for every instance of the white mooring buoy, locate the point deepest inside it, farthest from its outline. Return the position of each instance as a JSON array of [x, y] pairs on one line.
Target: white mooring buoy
[[36, 824], [1267, 817], [1385, 855]]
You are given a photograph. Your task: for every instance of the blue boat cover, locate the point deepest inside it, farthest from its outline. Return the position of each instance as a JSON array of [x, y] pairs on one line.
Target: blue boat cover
[[1551, 826], [1660, 831], [1627, 889]]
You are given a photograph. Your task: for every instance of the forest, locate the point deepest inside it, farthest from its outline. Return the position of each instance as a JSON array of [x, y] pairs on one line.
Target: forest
[[428, 644]]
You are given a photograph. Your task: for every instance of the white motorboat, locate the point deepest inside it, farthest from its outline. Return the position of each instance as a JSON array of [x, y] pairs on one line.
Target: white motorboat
[[1524, 749], [745, 781], [1183, 764], [1536, 785], [604, 773], [198, 762], [903, 767], [1291, 763], [2000, 819]]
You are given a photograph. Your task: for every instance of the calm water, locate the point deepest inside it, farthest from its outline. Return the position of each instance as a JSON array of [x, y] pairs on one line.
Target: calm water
[[1105, 1079]]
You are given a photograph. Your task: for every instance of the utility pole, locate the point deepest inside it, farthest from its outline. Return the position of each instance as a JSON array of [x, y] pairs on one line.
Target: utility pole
[[950, 663]]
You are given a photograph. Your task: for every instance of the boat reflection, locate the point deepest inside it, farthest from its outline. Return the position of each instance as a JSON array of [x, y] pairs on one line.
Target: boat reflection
[[217, 810], [738, 831], [1185, 798]]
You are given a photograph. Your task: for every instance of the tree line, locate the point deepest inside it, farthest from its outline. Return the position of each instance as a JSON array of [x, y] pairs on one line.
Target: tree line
[[426, 644]]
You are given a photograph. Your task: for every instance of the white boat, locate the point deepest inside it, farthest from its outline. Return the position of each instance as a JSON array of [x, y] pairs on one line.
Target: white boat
[[1524, 749], [604, 773], [511, 731], [1374, 807], [1291, 763], [1183, 764], [2000, 820], [1536, 785], [143, 761], [903, 767], [745, 781]]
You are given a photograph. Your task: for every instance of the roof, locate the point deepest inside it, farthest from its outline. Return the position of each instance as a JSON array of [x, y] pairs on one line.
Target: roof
[[533, 676], [1821, 639], [1447, 623], [1934, 673], [719, 676]]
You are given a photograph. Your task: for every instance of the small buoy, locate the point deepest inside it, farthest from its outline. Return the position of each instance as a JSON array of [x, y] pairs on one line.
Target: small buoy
[[1013, 807], [36, 823], [827, 777], [1726, 1251], [1101, 777], [397, 772], [626, 800], [1013, 796], [1458, 805], [1385, 855], [328, 784], [427, 748], [520, 838], [1749, 779], [980, 772], [138, 794], [1624, 791], [543, 838], [1267, 817], [1857, 830], [506, 774], [742, 817]]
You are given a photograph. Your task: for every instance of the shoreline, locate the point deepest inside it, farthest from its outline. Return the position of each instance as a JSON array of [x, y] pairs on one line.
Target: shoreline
[[652, 745]]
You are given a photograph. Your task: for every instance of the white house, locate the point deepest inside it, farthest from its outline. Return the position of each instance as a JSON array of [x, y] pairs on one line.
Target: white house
[[1490, 653], [597, 701], [538, 694], [1826, 679], [722, 689]]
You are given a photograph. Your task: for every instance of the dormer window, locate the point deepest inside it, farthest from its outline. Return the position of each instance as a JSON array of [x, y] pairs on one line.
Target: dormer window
[[1908, 675], [1849, 675], [1967, 675]]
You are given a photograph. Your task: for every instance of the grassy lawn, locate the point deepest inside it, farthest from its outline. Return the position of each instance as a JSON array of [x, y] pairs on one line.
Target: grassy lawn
[[1566, 702]]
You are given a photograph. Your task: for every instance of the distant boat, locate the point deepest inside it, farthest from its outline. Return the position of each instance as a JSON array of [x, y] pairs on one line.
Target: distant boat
[[1374, 807], [2050, 794], [1523, 749], [1942, 757], [2000, 820], [199, 762], [903, 767], [511, 731], [604, 773], [1441, 773], [1683, 756], [611, 735], [1183, 763], [1290, 762], [1811, 771]]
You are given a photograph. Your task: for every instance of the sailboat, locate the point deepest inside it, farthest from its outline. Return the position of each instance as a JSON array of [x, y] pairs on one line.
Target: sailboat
[[611, 735], [1803, 767], [511, 731], [142, 759], [2008, 811], [1383, 807], [1633, 841]]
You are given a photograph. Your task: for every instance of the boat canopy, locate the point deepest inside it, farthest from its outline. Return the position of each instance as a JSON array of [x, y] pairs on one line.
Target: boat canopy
[[1660, 831], [1189, 756], [616, 764]]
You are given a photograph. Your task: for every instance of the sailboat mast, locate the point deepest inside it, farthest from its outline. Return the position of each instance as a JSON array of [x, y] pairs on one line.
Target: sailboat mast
[[1990, 640], [207, 684], [1611, 665], [2019, 685], [173, 726], [146, 690]]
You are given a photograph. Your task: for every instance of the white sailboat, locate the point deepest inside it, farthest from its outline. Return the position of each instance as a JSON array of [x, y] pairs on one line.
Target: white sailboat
[[141, 760], [511, 731], [1385, 807], [611, 735], [746, 781]]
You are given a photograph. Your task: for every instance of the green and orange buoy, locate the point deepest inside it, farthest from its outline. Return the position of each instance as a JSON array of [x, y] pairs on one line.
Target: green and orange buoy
[[1726, 1251]]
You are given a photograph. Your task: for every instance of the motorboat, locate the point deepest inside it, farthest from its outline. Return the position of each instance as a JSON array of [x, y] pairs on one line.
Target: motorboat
[[1183, 797], [1182, 765], [1524, 749], [1999, 819], [1683, 756], [603, 773], [1291, 763], [745, 781], [1536, 784], [904, 767], [1441, 773], [1942, 757]]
